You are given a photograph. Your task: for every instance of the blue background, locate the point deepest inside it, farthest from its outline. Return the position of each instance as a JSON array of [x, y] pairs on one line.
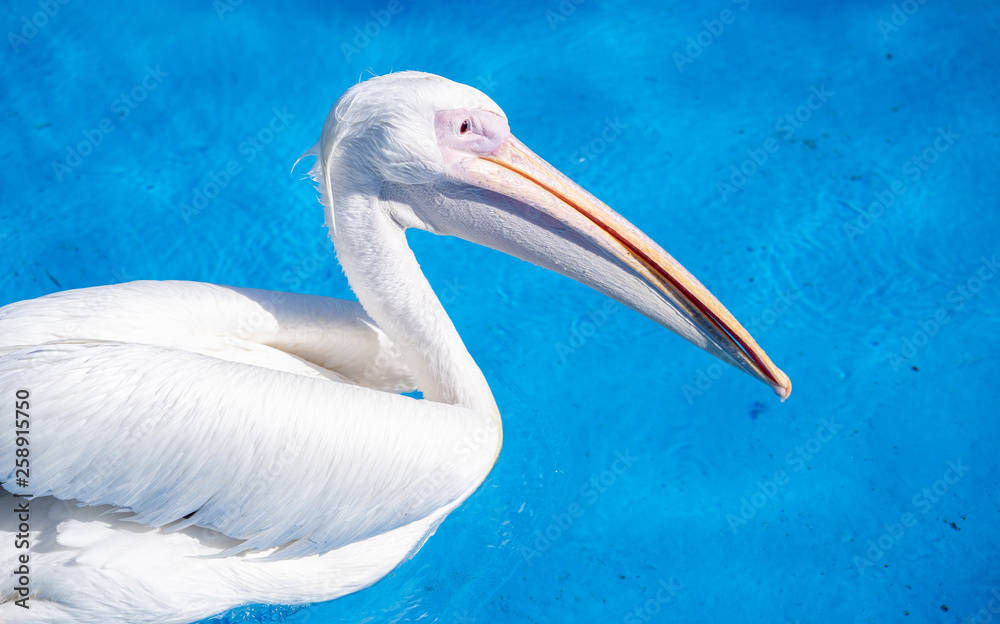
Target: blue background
[[837, 290]]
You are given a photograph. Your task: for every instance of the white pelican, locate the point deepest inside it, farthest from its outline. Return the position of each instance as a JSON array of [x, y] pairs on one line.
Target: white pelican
[[194, 447]]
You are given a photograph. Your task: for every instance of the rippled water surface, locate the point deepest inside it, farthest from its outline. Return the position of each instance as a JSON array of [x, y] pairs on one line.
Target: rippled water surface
[[828, 171]]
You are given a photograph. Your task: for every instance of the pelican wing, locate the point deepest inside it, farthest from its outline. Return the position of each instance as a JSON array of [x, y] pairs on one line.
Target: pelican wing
[[272, 457], [264, 416], [316, 336]]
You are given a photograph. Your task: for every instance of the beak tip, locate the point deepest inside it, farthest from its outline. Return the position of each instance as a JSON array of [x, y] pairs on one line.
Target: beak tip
[[784, 387]]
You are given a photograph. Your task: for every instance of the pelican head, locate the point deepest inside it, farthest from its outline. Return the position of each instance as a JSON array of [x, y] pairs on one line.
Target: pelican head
[[439, 156]]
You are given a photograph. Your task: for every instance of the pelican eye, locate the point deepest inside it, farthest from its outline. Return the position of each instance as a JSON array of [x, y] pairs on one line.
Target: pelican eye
[[464, 128]]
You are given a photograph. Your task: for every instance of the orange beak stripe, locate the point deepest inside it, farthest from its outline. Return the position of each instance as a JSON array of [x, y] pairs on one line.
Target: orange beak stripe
[[654, 268]]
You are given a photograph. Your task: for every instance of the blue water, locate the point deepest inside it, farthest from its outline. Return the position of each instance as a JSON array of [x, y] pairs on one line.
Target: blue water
[[869, 496]]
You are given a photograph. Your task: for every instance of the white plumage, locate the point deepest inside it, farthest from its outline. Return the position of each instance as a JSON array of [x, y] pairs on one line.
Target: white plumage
[[215, 426], [194, 447]]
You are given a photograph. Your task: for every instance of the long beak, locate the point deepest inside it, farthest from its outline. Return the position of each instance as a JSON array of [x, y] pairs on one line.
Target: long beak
[[515, 171]]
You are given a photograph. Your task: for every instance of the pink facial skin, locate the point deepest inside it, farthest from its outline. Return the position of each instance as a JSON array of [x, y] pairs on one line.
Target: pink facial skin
[[465, 132]]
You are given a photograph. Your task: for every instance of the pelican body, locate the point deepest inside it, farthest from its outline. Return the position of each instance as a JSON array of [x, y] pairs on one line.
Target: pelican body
[[193, 447]]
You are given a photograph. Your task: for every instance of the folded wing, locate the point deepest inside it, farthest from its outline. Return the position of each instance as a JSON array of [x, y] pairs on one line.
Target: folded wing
[[287, 462]]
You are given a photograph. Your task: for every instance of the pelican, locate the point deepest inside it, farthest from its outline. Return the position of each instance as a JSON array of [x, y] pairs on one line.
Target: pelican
[[189, 447]]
